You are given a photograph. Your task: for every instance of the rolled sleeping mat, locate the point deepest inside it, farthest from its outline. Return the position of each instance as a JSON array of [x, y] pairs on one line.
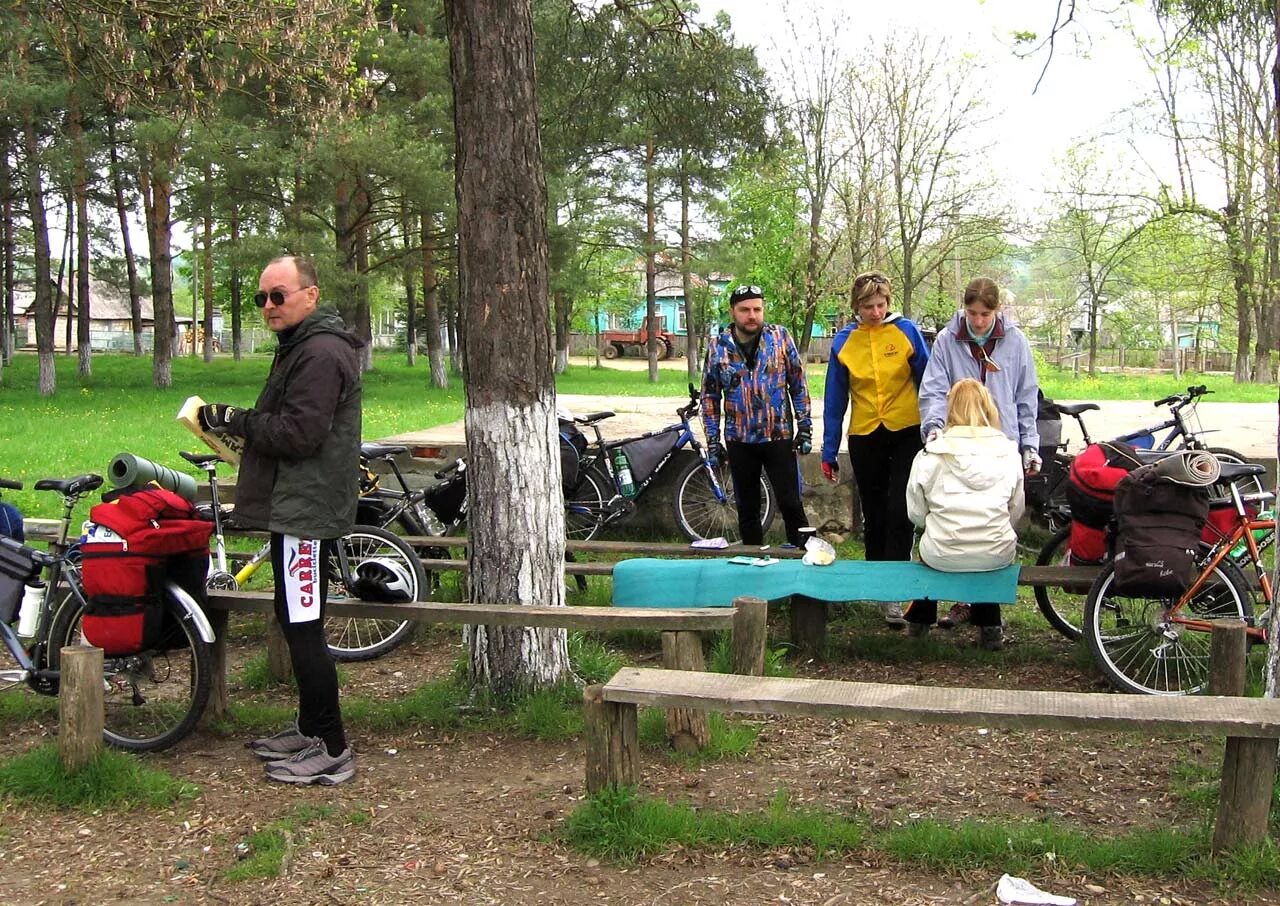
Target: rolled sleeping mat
[[127, 470], [1194, 468]]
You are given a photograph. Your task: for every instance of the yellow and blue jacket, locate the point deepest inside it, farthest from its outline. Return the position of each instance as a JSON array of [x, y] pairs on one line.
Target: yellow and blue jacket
[[877, 370]]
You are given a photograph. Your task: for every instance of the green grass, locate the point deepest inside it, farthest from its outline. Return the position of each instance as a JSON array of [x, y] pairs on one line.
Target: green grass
[[623, 826], [18, 706], [111, 780], [265, 849], [726, 739], [87, 422]]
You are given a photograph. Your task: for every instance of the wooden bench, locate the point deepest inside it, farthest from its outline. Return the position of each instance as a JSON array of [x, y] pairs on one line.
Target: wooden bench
[[681, 630], [1251, 725]]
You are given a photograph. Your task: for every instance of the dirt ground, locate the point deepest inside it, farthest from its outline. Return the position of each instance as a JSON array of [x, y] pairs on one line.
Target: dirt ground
[[443, 817]]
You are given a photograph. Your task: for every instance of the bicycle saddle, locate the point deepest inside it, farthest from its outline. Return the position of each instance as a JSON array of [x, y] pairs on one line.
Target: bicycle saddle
[[593, 417], [1076, 408], [381, 451], [1230, 471], [199, 459], [81, 484]]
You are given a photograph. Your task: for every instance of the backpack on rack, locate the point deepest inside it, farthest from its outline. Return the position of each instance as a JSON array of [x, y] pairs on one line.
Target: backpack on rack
[[573, 443], [1158, 526], [133, 544], [1091, 488], [1049, 427]]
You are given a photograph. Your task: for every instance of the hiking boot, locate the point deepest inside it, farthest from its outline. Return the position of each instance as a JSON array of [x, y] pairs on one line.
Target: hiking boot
[[918, 630], [991, 638], [959, 613], [314, 764], [284, 744], [893, 617]]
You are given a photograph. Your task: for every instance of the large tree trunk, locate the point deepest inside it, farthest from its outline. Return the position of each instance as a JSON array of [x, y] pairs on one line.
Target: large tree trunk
[[516, 511], [207, 254], [410, 276], [563, 311], [157, 198], [67, 269], [42, 304], [80, 190], [126, 241], [650, 257], [431, 308], [8, 191]]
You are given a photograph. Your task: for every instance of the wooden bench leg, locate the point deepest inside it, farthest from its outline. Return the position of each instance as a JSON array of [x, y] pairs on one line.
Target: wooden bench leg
[[613, 743], [279, 666], [1244, 797], [809, 625], [750, 635], [217, 707], [687, 729], [79, 706]]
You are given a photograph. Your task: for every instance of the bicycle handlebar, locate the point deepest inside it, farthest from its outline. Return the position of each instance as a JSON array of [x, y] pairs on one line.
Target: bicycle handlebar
[[687, 412], [456, 466], [10, 484], [1182, 399]]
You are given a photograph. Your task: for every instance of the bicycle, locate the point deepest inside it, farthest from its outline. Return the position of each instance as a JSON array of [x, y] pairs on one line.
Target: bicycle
[[1065, 609], [1160, 646], [368, 561], [151, 699], [702, 500]]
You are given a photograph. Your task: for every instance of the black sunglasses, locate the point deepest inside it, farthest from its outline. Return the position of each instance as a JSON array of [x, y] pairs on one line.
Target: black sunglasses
[[275, 297]]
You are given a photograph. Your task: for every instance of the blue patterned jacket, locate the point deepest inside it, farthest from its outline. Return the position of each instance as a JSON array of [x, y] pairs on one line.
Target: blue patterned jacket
[[755, 404]]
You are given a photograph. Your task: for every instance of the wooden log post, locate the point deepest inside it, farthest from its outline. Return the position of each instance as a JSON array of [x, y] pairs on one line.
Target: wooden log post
[[79, 706], [279, 665], [687, 730], [809, 625], [1248, 764], [216, 709], [750, 635], [613, 742]]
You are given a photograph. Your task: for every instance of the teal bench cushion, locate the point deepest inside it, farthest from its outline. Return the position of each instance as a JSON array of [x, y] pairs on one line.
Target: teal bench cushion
[[646, 582]]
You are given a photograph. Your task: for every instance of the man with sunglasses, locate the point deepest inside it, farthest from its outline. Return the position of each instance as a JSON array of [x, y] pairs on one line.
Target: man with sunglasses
[[298, 480], [753, 382]]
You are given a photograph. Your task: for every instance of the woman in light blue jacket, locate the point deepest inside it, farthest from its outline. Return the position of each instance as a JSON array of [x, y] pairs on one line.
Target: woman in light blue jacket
[[981, 343]]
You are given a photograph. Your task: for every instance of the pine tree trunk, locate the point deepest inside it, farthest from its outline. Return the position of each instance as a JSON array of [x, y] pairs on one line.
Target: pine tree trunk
[[431, 308], [157, 200], [650, 257], [692, 317], [80, 191], [9, 190], [410, 275], [237, 293], [43, 302], [207, 251], [562, 313], [126, 241], [516, 511]]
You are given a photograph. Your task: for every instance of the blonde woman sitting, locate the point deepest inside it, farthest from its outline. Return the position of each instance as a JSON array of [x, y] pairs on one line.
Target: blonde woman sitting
[[965, 491]]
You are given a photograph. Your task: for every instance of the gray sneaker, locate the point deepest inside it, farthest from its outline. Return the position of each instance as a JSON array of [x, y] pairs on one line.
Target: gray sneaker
[[284, 744], [991, 638], [892, 614], [314, 764]]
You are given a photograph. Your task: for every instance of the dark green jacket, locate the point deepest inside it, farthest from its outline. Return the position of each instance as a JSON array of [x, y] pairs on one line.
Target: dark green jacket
[[300, 466]]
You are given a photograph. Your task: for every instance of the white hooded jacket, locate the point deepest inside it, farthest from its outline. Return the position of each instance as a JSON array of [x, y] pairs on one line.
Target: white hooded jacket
[[965, 491]]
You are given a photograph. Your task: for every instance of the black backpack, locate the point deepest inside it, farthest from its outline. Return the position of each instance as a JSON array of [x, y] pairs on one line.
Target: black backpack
[[1158, 526]]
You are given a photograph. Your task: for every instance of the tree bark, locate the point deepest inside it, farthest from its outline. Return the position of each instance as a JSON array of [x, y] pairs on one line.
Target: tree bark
[[207, 257], [650, 257], [42, 304], [516, 513], [80, 191], [157, 184], [410, 276], [692, 316], [9, 190], [126, 241], [237, 283], [562, 314], [431, 307]]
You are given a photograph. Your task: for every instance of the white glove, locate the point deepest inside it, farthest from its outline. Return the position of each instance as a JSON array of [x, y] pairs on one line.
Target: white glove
[[1031, 461]]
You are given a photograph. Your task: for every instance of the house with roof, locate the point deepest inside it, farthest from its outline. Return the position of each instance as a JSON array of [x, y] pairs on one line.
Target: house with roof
[[110, 325]]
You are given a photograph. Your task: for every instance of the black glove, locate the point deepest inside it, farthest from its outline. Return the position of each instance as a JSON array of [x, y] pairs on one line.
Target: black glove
[[716, 452], [804, 442], [217, 417]]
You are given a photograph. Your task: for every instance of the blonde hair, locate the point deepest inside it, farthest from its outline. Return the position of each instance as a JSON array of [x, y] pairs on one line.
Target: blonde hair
[[984, 291], [869, 284], [969, 404]]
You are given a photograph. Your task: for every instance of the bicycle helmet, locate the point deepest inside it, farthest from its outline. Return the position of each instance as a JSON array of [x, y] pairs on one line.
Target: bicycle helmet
[[382, 580]]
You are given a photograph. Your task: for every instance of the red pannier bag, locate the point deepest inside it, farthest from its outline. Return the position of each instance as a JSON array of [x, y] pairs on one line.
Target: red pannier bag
[[134, 543], [1091, 489]]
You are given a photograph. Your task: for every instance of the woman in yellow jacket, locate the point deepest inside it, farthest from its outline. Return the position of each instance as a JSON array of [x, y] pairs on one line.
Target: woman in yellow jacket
[[875, 368]]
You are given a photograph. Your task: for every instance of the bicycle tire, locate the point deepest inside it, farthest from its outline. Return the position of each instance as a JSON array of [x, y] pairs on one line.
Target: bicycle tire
[[153, 699], [584, 506], [366, 638], [700, 514], [1063, 609], [1248, 485], [1141, 651]]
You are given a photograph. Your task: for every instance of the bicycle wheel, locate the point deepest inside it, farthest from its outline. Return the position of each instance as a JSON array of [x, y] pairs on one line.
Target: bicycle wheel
[[365, 638], [584, 506], [152, 699], [1063, 609], [1139, 646], [1249, 485], [700, 513]]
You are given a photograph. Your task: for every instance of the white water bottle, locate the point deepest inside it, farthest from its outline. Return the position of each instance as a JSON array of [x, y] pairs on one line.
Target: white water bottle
[[29, 612]]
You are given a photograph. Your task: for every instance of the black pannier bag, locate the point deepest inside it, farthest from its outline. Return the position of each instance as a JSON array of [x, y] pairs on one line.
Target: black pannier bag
[[573, 443], [645, 452], [1158, 526], [1049, 427], [17, 568], [448, 499]]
